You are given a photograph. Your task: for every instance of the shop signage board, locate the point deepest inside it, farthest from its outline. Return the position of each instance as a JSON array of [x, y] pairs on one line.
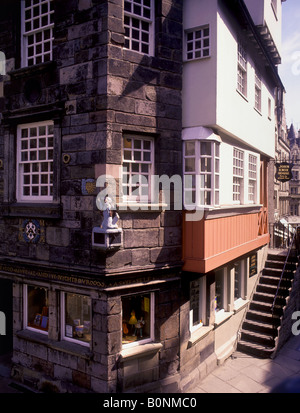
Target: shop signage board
[[283, 171], [253, 265]]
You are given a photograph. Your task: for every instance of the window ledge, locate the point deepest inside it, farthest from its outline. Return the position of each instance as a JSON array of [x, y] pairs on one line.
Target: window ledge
[[239, 305], [64, 346], [242, 95], [30, 70], [32, 210], [230, 210], [222, 318], [257, 110], [199, 335], [140, 351], [140, 206]]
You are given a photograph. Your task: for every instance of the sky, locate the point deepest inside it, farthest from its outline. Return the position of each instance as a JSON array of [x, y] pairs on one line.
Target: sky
[[289, 70]]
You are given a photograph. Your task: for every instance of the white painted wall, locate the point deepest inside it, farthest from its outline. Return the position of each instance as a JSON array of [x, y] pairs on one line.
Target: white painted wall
[[199, 76], [210, 96], [236, 114], [262, 13]]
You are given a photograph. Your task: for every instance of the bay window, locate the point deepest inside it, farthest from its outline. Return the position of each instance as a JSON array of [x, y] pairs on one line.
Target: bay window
[[201, 173], [252, 175], [238, 175]]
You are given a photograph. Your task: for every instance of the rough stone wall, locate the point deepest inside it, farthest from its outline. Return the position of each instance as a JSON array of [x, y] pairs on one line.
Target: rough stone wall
[[95, 90]]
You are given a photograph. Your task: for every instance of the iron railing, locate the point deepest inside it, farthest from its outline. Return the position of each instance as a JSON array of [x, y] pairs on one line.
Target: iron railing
[[293, 245]]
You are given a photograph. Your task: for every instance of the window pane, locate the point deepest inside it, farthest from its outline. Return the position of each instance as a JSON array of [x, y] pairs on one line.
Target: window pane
[[37, 308], [189, 148], [190, 165], [78, 317], [136, 323]]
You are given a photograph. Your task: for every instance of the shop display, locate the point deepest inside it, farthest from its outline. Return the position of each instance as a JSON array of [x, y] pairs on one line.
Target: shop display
[[136, 318]]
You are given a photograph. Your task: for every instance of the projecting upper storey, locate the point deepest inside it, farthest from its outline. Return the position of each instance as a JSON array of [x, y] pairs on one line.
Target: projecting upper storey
[[267, 16], [229, 75]]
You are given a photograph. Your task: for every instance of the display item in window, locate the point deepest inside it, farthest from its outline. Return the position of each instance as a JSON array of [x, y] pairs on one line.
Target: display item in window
[[139, 327]]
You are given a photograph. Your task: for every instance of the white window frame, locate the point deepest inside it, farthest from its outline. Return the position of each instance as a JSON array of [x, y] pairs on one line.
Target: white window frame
[[258, 91], [238, 175], [199, 284], [35, 37], [252, 178], [199, 175], [242, 70], [23, 165], [133, 169], [25, 308], [139, 26], [150, 339], [269, 109], [197, 43], [63, 320]]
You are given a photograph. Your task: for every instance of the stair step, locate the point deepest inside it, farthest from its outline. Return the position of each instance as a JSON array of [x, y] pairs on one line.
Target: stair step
[[271, 289], [266, 307], [264, 328], [279, 264], [270, 279], [280, 257], [276, 272], [255, 349], [263, 317], [259, 338], [268, 298]]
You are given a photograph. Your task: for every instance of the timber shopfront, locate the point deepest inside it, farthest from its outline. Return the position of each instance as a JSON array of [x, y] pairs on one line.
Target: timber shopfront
[[77, 334]]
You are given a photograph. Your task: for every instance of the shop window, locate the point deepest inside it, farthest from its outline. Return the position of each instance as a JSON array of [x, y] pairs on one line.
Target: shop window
[[239, 280], [221, 294], [36, 308], [76, 318], [197, 303], [138, 319]]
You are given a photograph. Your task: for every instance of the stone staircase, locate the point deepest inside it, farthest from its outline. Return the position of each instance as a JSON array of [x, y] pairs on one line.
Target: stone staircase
[[260, 328]]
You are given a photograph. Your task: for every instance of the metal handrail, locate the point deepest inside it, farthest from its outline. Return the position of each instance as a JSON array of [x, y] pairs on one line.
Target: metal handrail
[[283, 271]]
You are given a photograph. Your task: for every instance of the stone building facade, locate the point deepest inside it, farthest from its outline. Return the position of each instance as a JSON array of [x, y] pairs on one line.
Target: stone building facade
[[78, 101], [98, 98]]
